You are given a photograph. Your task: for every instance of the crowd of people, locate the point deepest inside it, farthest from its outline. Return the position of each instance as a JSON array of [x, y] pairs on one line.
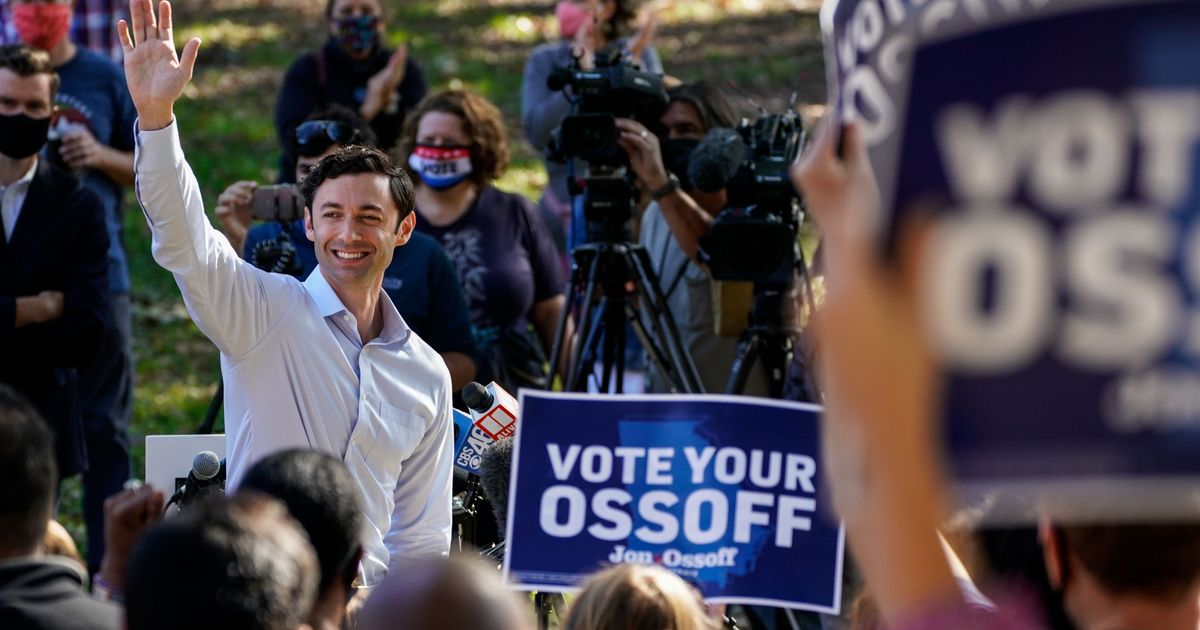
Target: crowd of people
[[347, 329]]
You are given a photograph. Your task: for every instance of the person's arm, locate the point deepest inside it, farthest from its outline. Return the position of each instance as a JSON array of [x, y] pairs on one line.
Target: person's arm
[[449, 326], [686, 219], [542, 110], [233, 211], [545, 316], [421, 516], [127, 515], [381, 87], [461, 367], [81, 150], [880, 426], [232, 303]]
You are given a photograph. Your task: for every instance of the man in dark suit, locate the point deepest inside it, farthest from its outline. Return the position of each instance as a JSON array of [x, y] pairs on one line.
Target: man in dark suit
[[53, 258]]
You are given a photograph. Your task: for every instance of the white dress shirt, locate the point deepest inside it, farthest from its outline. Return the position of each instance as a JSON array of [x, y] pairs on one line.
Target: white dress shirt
[[12, 197], [298, 376]]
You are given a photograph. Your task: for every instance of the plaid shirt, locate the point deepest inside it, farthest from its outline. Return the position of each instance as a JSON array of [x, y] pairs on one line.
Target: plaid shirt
[[93, 27]]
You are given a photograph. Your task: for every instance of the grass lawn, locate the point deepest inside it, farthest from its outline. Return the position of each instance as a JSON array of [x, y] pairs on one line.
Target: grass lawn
[[762, 51]]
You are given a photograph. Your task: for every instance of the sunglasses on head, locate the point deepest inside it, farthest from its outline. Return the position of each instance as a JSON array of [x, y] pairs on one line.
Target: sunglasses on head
[[316, 136]]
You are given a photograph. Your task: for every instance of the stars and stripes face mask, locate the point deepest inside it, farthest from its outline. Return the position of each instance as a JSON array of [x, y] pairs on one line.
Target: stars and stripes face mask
[[440, 167]]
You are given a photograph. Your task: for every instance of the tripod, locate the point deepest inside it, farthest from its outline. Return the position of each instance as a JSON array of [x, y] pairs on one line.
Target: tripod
[[771, 341], [614, 285]]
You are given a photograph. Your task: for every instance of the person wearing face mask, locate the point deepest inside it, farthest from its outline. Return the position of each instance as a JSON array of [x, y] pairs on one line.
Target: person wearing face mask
[[91, 134], [674, 221], [53, 259], [456, 144], [586, 27], [353, 69]]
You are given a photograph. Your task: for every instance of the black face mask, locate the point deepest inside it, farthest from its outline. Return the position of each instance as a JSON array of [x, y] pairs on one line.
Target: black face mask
[[676, 153], [22, 136]]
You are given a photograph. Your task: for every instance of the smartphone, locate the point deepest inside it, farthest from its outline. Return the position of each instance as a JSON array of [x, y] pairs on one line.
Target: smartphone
[[277, 203]]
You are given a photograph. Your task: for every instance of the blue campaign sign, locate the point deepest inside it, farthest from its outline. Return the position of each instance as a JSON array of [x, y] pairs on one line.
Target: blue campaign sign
[[723, 490], [1056, 143]]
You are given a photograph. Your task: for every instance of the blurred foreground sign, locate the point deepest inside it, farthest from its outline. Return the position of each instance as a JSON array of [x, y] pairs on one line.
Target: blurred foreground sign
[[1056, 143], [722, 490]]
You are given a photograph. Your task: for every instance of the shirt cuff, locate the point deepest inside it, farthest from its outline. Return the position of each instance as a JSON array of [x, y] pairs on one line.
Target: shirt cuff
[[157, 150]]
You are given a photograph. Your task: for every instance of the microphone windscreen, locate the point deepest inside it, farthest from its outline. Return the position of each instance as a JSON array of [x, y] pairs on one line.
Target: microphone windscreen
[[477, 397], [206, 465], [716, 159], [495, 470]]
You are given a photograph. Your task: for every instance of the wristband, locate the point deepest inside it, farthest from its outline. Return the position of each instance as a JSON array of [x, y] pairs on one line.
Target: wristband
[[671, 186], [106, 592]]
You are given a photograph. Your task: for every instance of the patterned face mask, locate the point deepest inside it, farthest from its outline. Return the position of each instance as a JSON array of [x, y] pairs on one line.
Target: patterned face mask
[[440, 167], [358, 35]]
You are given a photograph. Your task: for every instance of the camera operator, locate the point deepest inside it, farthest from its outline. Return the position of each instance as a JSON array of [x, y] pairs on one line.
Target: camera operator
[[420, 280], [676, 219], [586, 27]]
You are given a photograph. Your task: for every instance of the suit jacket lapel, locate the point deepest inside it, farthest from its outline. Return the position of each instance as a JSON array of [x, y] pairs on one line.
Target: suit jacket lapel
[[38, 214]]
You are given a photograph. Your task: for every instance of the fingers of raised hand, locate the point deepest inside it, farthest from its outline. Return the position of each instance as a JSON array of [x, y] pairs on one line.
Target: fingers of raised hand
[[164, 22]]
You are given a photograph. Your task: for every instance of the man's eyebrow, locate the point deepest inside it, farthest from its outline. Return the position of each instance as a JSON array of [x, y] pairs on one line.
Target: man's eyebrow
[[331, 204], [371, 206]]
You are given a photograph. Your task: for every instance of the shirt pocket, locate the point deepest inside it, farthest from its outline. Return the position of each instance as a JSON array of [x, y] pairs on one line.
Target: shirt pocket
[[393, 436]]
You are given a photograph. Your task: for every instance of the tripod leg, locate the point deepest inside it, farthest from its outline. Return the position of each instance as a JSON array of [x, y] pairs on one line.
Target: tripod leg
[[748, 348], [586, 323], [663, 322], [653, 352], [588, 347], [619, 347], [776, 354], [559, 331]]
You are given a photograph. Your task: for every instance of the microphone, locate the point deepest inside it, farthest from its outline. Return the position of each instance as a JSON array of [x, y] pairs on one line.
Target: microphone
[[495, 471], [206, 477], [493, 416], [716, 160], [205, 466], [477, 397]]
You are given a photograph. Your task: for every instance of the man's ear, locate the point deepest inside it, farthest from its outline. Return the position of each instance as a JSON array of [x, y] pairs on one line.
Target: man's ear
[[308, 226], [1051, 554], [405, 229]]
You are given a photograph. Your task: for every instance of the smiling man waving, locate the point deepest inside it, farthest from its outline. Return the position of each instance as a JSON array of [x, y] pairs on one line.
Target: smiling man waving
[[327, 363]]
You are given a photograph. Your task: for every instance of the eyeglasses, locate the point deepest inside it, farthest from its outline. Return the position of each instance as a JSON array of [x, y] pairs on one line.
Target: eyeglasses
[[316, 136]]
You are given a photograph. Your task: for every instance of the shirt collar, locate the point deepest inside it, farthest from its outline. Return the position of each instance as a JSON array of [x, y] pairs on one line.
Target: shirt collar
[[329, 304], [26, 178]]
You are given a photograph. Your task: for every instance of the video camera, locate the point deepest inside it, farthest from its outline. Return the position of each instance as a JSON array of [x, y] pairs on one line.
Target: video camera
[[613, 89], [755, 238]]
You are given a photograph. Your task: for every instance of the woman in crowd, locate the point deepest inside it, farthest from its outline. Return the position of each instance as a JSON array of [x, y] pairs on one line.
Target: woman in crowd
[[353, 69], [455, 144], [638, 597], [586, 27]]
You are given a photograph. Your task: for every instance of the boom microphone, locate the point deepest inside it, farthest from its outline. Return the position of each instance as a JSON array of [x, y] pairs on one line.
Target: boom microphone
[[495, 470], [716, 160]]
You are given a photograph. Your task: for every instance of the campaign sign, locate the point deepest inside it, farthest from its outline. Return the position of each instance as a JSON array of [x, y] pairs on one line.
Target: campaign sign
[[722, 490], [1056, 145]]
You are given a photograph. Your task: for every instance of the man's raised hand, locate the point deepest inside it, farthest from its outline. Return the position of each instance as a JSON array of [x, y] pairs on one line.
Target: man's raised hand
[[155, 74]]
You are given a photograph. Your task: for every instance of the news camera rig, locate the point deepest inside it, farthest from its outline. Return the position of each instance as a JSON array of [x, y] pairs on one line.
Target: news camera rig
[[613, 286], [756, 239]]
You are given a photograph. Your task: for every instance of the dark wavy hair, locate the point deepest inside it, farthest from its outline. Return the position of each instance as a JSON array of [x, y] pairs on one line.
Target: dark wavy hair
[[714, 108], [357, 160], [27, 62], [482, 123]]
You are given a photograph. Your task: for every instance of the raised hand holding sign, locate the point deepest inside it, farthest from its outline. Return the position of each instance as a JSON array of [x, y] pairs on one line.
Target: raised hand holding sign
[[155, 73]]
